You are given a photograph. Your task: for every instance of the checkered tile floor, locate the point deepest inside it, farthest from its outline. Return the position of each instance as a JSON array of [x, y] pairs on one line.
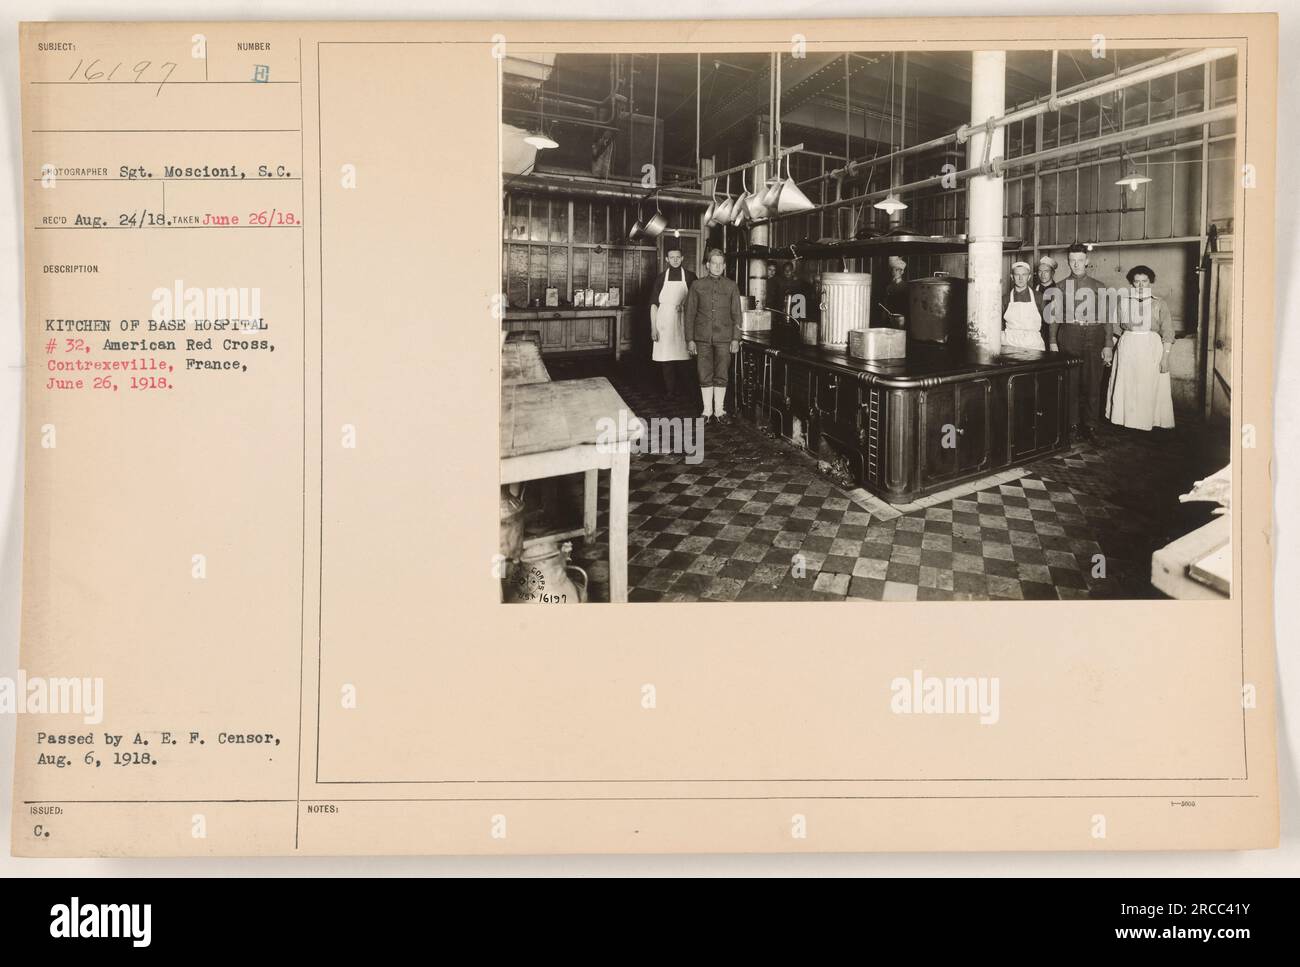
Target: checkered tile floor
[[754, 521]]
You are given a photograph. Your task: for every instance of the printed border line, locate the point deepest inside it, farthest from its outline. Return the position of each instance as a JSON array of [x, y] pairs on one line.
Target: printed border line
[[300, 802], [302, 571], [1239, 132]]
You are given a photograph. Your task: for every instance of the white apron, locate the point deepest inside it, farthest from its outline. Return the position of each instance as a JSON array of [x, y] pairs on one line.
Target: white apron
[[668, 320], [1024, 325], [1139, 395]]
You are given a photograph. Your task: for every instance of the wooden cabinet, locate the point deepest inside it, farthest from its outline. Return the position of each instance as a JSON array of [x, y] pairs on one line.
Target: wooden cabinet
[[953, 432], [590, 333], [1035, 406], [554, 334]]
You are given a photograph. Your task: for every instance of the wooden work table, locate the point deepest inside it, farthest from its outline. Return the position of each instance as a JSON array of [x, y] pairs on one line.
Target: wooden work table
[[549, 429]]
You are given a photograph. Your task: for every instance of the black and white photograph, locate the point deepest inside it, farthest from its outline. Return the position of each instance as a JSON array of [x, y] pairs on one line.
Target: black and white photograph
[[874, 325]]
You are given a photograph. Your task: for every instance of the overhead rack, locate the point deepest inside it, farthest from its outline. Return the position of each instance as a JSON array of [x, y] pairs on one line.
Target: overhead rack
[[868, 247]]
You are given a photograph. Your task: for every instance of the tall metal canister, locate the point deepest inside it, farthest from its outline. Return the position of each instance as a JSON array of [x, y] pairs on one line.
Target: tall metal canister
[[845, 305]]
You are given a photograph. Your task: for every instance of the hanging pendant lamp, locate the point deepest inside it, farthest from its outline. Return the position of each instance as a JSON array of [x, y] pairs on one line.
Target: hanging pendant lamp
[[539, 139], [1132, 177], [891, 203]]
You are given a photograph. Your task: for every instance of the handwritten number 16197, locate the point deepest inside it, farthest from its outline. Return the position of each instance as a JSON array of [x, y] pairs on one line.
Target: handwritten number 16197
[[140, 69]]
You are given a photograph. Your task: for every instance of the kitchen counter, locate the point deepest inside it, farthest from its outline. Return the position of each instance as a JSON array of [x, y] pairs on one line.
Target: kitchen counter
[[573, 331], [911, 426], [924, 364], [539, 312]]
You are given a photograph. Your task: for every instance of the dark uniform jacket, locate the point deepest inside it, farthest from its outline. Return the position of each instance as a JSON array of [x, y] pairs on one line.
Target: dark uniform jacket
[[1082, 302], [713, 310]]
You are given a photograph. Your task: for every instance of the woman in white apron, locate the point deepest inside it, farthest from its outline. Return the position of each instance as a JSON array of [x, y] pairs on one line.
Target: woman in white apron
[[667, 322], [1022, 314], [1140, 395]]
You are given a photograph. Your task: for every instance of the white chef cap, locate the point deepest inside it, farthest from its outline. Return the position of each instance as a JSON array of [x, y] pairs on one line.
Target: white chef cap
[[896, 263], [1019, 265]]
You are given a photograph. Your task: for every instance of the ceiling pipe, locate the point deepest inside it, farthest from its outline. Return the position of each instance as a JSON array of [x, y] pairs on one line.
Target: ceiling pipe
[[776, 156], [579, 189], [1083, 92], [699, 180], [848, 106], [565, 119], [776, 113], [1225, 113], [516, 84], [1102, 88]]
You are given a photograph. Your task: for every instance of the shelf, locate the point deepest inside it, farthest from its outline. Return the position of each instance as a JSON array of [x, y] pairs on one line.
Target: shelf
[[867, 247]]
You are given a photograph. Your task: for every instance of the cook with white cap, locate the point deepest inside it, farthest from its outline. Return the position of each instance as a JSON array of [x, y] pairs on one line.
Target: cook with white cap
[[1043, 285], [895, 300], [1023, 312], [1046, 273]]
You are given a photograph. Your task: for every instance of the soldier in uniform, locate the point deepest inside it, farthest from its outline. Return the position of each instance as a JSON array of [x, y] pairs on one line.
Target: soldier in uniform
[[713, 316]]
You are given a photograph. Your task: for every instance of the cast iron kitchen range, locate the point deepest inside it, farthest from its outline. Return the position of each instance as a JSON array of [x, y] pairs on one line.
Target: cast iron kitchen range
[[910, 426]]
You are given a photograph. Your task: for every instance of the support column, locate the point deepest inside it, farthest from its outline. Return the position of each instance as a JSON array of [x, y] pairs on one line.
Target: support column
[[759, 235], [985, 202]]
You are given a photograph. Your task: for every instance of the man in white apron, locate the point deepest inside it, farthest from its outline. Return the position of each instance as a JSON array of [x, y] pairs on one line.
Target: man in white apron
[[1023, 313], [667, 316]]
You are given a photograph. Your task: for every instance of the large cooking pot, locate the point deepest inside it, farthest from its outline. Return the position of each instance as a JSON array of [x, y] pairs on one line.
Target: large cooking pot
[[655, 225], [936, 309]]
